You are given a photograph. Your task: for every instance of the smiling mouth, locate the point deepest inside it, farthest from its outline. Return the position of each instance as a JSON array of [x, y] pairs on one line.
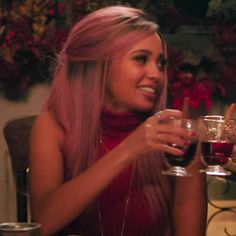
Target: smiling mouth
[[148, 90]]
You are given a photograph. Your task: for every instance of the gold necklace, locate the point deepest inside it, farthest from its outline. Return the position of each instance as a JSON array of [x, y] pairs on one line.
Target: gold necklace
[[126, 201]]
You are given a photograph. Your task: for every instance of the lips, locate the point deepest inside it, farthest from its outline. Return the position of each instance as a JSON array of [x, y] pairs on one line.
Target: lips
[[148, 89]]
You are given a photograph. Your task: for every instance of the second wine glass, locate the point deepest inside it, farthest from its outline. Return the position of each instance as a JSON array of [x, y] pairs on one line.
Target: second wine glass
[[217, 136], [177, 164]]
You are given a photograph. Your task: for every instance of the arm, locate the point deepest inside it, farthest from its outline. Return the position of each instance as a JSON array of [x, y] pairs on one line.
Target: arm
[[54, 203], [190, 203]]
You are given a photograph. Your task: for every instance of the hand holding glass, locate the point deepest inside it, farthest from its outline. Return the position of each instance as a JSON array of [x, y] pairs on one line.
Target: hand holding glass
[[177, 164], [217, 137]]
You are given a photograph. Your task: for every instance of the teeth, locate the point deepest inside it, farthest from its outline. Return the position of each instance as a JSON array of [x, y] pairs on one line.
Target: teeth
[[147, 89]]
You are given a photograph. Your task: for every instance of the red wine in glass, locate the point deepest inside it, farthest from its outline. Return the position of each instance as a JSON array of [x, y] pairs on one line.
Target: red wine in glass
[[183, 160], [217, 137], [216, 153], [176, 164]]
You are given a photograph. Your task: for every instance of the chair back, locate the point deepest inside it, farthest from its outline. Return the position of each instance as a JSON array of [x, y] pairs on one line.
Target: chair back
[[17, 133]]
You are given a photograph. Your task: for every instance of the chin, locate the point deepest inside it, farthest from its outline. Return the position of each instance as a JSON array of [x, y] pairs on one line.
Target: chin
[[145, 109]]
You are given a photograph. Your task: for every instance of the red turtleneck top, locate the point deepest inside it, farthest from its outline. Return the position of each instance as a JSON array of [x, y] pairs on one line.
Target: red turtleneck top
[[111, 212]]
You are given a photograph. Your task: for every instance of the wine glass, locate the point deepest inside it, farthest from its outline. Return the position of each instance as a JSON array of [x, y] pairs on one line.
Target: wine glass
[[217, 137], [177, 164]]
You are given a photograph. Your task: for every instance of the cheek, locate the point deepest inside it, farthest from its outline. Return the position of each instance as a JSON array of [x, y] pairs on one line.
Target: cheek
[[117, 86], [124, 77]]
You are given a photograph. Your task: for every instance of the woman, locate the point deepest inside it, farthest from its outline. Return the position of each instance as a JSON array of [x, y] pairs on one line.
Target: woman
[[96, 149]]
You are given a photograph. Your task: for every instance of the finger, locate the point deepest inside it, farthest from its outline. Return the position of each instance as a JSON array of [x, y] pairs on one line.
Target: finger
[[169, 133], [171, 150], [165, 114], [159, 138], [170, 129], [170, 139]]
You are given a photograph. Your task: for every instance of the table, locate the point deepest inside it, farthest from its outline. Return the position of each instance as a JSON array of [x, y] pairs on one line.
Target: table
[[221, 206]]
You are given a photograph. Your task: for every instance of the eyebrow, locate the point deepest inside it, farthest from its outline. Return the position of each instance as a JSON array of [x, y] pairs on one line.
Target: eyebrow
[[147, 52], [141, 51]]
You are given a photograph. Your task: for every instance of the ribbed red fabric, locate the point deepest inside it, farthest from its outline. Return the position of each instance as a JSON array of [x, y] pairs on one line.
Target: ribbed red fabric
[[115, 128], [138, 221]]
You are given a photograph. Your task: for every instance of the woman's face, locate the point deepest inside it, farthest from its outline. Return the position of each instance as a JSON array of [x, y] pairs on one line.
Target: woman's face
[[137, 77]]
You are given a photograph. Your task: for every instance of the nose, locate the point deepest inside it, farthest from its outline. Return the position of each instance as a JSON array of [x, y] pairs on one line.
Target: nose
[[153, 72]]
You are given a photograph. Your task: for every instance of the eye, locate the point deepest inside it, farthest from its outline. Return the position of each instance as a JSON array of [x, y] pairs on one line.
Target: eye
[[142, 59], [162, 63]]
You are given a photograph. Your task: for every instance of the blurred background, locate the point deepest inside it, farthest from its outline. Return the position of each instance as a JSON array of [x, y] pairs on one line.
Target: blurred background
[[200, 35]]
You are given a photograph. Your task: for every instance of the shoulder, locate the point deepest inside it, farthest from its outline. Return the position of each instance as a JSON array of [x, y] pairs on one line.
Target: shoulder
[[47, 126]]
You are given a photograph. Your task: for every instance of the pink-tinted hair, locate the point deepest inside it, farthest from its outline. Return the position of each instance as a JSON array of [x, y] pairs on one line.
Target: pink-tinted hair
[[77, 91]]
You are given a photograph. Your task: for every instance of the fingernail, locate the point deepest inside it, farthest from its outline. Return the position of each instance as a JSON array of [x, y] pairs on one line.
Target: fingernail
[[181, 152]]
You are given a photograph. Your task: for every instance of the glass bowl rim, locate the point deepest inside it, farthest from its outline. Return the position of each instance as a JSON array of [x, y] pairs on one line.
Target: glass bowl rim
[[215, 118]]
